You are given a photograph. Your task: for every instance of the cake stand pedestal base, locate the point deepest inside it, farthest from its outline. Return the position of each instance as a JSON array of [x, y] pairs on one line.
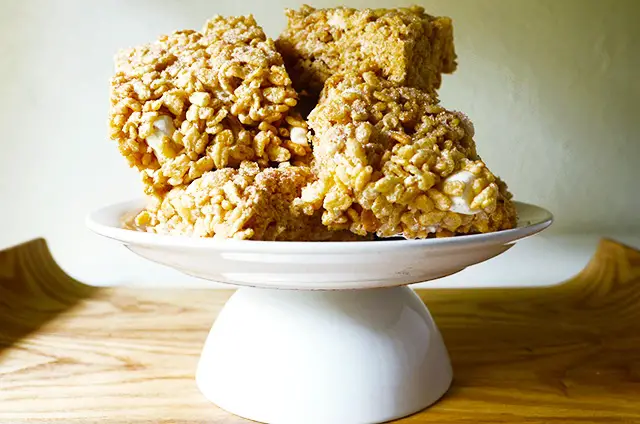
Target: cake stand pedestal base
[[289, 353], [339, 357]]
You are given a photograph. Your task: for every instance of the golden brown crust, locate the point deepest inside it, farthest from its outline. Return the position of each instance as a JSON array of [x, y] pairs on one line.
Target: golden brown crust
[[405, 45], [196, 101], [245, 203], [383, 154]]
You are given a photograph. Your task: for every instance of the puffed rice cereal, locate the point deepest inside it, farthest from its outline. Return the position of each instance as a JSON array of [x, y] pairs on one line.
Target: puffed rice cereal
[[390, 160], [245, 203], [192, 102], [405, 45]]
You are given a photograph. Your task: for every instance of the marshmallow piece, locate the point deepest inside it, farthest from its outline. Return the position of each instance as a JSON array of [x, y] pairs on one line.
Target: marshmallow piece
[[337, 21], [163, 126], [462, 204], [299, 136]]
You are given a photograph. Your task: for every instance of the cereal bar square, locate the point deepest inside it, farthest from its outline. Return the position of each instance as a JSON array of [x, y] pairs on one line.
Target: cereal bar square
[[405, 45]]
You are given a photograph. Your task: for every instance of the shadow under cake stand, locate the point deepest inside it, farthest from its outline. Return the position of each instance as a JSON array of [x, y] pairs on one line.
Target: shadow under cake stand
[[321, 332]]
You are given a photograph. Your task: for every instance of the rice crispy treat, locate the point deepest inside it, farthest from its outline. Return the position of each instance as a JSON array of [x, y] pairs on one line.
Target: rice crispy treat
[[405, 45], [192, 102], [244, 203], [390, 160]]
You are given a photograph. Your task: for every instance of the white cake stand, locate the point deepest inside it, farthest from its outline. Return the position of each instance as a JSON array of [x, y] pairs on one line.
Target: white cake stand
[[325, 333]]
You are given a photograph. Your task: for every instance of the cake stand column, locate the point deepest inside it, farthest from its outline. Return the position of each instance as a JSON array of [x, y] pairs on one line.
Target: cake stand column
[[326, 357]]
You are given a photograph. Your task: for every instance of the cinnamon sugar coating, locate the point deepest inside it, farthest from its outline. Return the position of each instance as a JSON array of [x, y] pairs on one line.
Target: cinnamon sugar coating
[[405, 45], [384, 155], [217, 127], [245, 203], [192, 102]]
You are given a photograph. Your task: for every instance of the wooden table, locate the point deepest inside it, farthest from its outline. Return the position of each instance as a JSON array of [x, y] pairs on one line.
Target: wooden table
[[70, 353]]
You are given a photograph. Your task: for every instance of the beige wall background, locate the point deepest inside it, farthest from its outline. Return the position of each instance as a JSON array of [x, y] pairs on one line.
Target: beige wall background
[[552, 87]]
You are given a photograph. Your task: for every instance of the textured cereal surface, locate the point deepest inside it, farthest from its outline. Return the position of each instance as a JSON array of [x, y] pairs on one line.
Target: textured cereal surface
[[383, 153], [192, 102], [405, 45], [218, 128], [244, 203]]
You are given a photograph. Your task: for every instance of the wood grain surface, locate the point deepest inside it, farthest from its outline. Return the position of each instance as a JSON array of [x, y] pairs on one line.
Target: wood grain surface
[[70, 353]]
